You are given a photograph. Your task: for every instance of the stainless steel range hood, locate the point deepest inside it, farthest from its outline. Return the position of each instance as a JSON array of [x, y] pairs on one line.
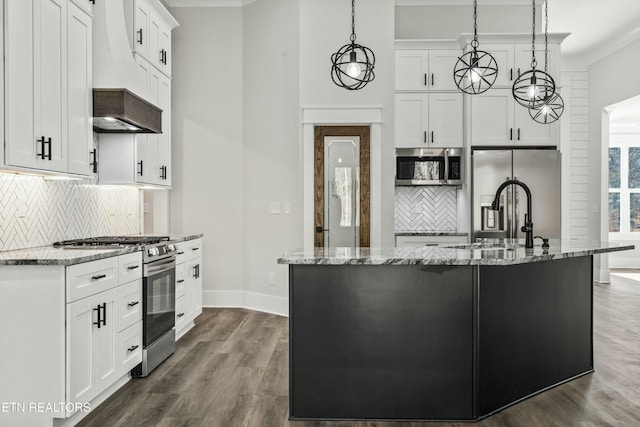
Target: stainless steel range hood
[[119, 104], [120, 111]]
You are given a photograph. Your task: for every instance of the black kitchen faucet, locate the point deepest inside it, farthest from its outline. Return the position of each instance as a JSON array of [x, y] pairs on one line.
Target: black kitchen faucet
[[528, 224]]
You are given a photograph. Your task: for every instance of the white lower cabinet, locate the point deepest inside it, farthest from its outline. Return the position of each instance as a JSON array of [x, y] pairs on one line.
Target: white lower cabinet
[[91, 333], [188, 285], [129, 350]]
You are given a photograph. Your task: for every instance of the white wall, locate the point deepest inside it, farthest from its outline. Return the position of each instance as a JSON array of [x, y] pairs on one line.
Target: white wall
[[207, 151], [448, 22], [272, 167], [325, 25], [610, 82]]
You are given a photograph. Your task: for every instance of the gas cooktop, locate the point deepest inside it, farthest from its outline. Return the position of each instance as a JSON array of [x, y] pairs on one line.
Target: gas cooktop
[[110, 241]]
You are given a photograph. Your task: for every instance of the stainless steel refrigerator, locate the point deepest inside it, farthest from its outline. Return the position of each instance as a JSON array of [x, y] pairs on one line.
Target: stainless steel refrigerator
[[539, 169]]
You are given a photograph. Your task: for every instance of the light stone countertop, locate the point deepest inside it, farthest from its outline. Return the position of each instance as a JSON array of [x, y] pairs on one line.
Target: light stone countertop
[[48, 255], [184, 237], [448, 254]]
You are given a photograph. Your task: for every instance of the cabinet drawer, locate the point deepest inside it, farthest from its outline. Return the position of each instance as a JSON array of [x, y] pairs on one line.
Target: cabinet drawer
[[180, 252], [129, 267], [129, 304], [91, 277], [180, 280], [129, 349], [193, 248], [181, 312]]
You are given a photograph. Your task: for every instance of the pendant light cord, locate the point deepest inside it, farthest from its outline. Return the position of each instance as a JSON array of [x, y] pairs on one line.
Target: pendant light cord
[[546, 36], [353, 21], [474, 43], [533, 39]]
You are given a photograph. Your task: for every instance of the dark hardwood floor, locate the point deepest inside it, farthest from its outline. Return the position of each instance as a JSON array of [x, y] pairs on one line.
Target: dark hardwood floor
[[232, 370]]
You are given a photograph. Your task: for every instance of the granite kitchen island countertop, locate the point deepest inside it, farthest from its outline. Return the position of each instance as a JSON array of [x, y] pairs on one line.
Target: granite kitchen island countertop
[[452, 254], [48, 255]]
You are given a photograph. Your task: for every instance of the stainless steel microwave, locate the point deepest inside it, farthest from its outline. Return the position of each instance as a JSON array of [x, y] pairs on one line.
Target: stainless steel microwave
[[429, 166]]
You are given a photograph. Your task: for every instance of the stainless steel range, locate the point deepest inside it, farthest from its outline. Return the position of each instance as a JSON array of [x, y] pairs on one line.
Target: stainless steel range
[[158, 288]]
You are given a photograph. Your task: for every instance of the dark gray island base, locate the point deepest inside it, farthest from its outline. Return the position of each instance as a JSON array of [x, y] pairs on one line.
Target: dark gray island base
[[422, 341]]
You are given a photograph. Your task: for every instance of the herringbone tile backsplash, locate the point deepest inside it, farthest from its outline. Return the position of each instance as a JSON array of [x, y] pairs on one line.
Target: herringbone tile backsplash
[[35, 212], [426, 209]]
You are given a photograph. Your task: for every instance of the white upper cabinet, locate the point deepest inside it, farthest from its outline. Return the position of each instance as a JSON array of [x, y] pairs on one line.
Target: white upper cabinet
[[151, 33], [85, 5], [48, 84], [496, 119], [428, 120], [425, 69]]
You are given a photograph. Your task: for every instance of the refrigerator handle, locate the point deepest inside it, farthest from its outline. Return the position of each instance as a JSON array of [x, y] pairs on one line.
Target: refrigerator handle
[[509, 212]]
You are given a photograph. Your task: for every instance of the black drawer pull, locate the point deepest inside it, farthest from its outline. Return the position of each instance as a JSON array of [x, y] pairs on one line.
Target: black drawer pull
[[195, 249], [133, 304], [133, 267], [99, 322], [42, 142], [102, 320], [132, 348], [140, 36], [180, 253], [181, 314], [98, 277], [180, 281]]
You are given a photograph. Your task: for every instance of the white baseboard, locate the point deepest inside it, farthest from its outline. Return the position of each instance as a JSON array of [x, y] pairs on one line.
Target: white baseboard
[[601, 276], [250, 300]]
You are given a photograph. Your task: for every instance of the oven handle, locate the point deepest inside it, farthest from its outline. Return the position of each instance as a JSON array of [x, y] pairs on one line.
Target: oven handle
[[160, 266]]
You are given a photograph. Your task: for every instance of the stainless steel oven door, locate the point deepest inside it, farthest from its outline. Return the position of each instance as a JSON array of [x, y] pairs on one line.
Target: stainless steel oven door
[[159, 287]]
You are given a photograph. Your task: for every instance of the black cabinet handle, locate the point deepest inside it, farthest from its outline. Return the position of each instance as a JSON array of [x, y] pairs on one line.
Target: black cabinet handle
[[425, 79], [102, 320], [511, 74], [180, 281], [133, 267], [518, 72], [510, 134], [180, 253], [94, 163], [140, 168], [98, 277], [425, 137], [132, 348], [161, 52], [164, 57], [518, 134], [48, 142], [197, 271], [180, 315], [140, 36], [41, 141], [99, 322], [133, 304], [432, 134], [432, 79]]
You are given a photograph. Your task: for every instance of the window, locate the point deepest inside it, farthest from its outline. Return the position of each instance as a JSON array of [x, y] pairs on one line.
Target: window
[[624, 186]]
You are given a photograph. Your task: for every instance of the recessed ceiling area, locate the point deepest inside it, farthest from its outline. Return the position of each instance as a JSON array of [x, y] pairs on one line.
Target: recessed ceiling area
[[597, 27]]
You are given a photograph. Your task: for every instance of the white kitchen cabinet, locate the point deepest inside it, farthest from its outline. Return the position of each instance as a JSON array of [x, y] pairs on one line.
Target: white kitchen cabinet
[[151, 33], [428, 240], [512, 53], [428, 120], [91, 341], [85, 5], [48, 84], [496, 119], [425, 69], [189, 291]]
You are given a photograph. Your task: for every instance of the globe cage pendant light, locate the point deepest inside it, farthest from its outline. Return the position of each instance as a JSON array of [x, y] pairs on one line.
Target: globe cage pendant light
[[352, 65], [554, 105], [475, 71], [532, 88]]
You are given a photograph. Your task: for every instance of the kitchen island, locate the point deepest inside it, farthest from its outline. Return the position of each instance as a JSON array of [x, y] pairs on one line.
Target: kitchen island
[[436, 333]]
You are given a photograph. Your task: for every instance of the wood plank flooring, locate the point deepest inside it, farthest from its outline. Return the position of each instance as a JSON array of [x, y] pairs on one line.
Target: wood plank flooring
[[232, 370]]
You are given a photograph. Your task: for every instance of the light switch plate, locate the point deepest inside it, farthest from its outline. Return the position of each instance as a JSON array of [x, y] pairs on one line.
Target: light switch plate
[[274, 208]]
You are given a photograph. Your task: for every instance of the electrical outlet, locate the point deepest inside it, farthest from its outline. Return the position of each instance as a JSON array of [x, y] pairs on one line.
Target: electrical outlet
[[274, 208], [272, 278], [21, 207], [287, 208]]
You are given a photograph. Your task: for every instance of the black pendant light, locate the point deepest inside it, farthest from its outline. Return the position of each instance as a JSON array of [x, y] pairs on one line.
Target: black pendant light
[[553, 107], [476, 71], [352, 64], [532, 88]]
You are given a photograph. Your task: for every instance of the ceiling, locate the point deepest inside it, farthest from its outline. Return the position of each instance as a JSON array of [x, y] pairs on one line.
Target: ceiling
[[597, 27]]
